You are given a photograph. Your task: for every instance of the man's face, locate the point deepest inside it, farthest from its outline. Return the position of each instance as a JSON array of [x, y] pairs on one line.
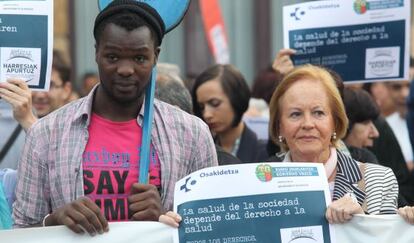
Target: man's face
[[399, 91], [125, 60], [58, 95]]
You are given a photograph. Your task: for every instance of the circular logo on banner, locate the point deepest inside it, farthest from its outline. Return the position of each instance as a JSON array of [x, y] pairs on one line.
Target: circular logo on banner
[[360, 6], [171, 11], [264, 172]]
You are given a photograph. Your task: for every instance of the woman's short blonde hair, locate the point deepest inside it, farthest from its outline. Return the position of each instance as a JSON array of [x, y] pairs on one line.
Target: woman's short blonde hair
[[314, 73]]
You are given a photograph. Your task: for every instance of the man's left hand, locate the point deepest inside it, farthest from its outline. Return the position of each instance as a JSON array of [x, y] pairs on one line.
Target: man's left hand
[[145, 203]]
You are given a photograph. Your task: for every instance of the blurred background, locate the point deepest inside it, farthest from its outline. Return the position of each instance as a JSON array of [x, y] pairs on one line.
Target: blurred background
[[254, 31]]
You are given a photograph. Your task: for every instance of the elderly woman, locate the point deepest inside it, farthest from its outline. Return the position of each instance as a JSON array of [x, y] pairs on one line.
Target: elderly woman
[[307, 118]]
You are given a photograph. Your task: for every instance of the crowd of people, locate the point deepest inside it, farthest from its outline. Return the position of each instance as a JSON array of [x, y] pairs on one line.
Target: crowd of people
[[75, 161]]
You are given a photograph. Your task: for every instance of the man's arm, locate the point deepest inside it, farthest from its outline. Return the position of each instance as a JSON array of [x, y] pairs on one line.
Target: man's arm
[[17, 93], [32, 190], [33, 199], [204, 150]]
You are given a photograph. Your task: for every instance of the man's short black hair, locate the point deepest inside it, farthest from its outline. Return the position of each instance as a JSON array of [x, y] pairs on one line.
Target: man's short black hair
[[359, 106], [234, 86], [130, 15]]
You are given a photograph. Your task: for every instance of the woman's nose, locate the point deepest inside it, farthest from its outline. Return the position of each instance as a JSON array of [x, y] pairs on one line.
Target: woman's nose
[[374, 130], [207, 113], [308, 121]]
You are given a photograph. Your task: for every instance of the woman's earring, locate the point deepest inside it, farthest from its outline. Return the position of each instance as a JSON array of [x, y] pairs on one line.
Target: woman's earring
[[280, 139], [334, 136]]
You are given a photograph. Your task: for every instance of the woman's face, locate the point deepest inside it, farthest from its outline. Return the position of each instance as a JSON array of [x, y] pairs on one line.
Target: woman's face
[[362, 134], [215, 106], [306, 120]]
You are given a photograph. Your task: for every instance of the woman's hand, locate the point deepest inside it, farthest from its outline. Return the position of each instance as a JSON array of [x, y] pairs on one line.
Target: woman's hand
[[171, 219], [342, 210], [407, 213]]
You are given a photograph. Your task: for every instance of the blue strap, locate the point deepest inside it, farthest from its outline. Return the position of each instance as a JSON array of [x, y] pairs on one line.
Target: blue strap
[[144, 154]]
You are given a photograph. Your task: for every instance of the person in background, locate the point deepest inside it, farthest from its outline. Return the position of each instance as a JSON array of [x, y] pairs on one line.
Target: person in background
[[361, 111], [89, 80], [398, 91], [16, 116], [307, 119], [381, 95], [81, 162], [170, 69], [220, 97], [171, 90], [59, 94], [410, 105], [257, 115]]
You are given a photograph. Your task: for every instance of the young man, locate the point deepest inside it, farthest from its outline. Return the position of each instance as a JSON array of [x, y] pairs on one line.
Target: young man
[[80, 164]]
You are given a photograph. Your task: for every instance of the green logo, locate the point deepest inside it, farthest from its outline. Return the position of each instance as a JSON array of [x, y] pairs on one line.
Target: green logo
[[360, 6], [264, 172]]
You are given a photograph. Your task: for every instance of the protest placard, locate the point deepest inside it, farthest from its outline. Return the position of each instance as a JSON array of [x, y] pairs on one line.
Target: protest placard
[[26, 41], [273, 202], [362, 40]]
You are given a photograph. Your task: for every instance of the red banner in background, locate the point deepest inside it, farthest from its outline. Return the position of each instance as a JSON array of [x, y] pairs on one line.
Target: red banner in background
[[215, 30]]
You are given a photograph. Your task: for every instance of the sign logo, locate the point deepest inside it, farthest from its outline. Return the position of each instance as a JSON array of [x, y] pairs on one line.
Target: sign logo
[[297, 14], [309, 234], [382, 62], [185, 187], [264, 172], [22, 63], [360, 6]]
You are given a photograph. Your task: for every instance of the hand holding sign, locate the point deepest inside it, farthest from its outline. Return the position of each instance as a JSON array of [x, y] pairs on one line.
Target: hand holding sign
[[17, 93], [342, 210], [79, 215], [283, 63], [144, 202]]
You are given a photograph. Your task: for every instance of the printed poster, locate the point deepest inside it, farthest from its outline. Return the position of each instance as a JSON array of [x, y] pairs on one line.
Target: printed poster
[[272, 202], [362, 40], [26, 41]]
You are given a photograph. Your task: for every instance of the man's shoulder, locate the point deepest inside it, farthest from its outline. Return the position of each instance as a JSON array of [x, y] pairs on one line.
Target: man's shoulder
[[61, 116], [175, 116]]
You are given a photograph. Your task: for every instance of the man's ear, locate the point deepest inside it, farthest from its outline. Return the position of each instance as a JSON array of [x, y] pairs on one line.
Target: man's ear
[[157, 53], [96, 52]]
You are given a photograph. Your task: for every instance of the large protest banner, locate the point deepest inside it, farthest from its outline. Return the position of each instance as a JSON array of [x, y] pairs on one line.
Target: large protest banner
[[362, 40], [26, 41], [378, 229], [274, 202]]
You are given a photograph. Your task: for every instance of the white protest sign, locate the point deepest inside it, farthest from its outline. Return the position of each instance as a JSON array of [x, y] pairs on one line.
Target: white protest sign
[[362, 40], [26, 42], [122, 232], [272, 202], [362, 228]]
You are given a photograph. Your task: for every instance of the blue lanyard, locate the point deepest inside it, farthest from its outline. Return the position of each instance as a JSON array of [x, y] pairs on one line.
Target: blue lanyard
[[144, 154]]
